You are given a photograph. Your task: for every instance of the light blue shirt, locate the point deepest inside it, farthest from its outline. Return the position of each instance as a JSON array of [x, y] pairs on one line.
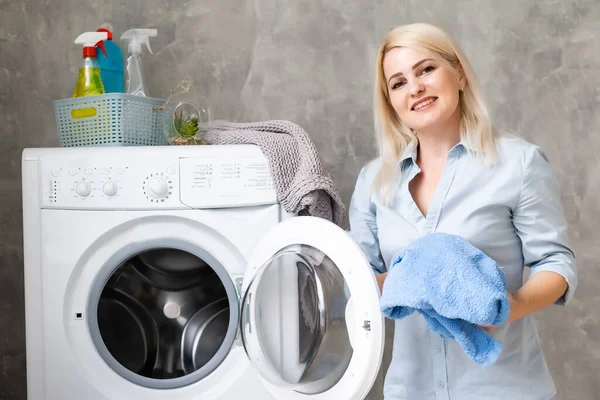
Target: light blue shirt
[[512, 212]]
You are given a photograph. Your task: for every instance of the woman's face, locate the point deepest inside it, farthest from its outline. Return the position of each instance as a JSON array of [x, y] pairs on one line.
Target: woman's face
[[423, 92]]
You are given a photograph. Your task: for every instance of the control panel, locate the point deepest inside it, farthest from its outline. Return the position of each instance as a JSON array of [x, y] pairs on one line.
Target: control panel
[[156, 182], [229, 182]]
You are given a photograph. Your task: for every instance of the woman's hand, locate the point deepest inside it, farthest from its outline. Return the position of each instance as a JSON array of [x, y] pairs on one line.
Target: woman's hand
[[514, 305], [380, 279]]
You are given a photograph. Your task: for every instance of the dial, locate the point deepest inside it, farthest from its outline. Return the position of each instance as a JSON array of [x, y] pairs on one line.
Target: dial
[[83, 189], [157, 188], [110, 188]]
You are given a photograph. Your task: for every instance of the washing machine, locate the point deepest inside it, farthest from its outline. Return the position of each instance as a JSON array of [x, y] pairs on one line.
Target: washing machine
[[173, 273]]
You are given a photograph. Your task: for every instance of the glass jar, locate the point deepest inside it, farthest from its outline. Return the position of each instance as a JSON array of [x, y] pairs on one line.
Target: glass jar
[[185, 113]]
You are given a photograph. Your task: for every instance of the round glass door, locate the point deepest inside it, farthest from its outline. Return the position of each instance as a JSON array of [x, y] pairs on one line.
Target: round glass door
[[165, 314], [293, 320]]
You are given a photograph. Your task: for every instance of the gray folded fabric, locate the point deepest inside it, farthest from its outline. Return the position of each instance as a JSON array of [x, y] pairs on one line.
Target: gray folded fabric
[[302, 185]]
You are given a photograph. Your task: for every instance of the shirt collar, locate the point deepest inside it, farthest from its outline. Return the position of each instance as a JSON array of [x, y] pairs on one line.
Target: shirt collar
[[410, 152]]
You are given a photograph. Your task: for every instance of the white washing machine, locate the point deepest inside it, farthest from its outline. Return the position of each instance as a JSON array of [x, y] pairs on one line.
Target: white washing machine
[[173, 273]]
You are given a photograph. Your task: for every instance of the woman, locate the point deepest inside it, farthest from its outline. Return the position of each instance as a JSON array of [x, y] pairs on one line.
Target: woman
[[443, 168]]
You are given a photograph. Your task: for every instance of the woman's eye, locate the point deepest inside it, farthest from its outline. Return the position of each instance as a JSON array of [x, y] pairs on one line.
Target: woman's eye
[[397, 85], [427, 69]]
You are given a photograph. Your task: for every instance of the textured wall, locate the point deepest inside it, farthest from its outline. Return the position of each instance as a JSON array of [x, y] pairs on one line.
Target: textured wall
[[311, 61]]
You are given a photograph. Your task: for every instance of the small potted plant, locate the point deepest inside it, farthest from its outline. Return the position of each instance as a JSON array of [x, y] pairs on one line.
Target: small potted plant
[[185, 129], [186, 112]]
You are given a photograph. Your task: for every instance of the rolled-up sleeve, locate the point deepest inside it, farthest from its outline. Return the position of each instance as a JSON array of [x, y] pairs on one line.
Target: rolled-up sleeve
[[363, 224], [541, 225]]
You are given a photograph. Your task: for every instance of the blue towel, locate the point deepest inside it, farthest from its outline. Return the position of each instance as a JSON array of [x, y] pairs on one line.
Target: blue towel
[[454, 286]]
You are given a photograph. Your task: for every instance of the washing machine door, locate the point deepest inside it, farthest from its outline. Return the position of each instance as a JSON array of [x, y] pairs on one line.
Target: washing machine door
[[310, 318]]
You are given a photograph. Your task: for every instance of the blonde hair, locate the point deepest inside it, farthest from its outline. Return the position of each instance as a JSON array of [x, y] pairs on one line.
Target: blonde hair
[[393, 136]]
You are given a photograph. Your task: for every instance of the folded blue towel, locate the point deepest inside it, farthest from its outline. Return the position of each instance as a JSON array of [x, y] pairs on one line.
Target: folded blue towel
[[454, 286]]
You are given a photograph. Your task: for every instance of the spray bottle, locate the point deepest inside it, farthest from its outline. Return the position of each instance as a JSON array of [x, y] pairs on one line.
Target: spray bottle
[[89, 82], [111, 66], [135, 80]]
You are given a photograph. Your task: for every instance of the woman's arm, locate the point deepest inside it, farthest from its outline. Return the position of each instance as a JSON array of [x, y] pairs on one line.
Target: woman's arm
[[539, 222], [362, 214], [540, 291]]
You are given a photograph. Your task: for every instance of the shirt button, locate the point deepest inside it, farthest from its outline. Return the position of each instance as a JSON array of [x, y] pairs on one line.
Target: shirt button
[[441, 384], [438, 348]]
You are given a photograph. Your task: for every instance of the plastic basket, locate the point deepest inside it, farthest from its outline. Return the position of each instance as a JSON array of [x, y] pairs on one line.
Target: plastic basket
[[113, 119]]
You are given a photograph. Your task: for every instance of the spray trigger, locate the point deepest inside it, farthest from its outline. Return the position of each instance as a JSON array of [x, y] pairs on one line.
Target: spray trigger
[[147, 42]]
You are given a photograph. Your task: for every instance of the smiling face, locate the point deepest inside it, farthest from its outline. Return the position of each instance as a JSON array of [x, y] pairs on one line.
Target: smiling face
[[423, 91]]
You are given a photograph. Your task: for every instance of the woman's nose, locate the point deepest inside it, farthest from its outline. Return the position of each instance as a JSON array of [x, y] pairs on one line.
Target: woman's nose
[[416, 88]]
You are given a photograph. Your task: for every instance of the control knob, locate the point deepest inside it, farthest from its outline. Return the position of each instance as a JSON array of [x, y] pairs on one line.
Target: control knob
[[157, 188], [83, 189], [110, 188]]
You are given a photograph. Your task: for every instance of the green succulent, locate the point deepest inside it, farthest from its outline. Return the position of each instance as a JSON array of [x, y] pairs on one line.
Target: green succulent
[[187, 128], [190, 127]]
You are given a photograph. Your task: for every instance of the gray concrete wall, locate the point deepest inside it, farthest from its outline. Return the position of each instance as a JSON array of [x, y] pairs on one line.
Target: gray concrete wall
[[311, 62]]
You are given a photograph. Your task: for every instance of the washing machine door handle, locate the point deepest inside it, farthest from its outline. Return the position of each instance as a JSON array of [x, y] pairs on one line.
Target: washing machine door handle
[[239, 281]]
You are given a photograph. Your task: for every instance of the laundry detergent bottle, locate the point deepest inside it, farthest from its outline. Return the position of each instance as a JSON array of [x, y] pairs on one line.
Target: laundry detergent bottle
[[89, 82], [135, 80], [111, 64]]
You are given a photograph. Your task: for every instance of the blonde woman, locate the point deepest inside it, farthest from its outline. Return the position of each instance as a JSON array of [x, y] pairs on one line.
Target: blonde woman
[[443, 168]]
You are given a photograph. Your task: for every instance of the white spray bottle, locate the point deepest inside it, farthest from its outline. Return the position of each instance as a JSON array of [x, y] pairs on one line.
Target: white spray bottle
[[135, 80]]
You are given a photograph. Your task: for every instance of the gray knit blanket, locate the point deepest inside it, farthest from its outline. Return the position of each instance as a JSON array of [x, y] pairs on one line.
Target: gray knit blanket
[[302, 185]]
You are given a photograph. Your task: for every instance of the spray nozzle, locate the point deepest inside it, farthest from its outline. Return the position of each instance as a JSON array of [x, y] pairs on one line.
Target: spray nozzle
[[138, 36], [91, 40], [106, 27]]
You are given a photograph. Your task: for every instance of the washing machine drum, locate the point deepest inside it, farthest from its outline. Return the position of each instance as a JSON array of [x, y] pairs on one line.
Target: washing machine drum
[[164, 314]]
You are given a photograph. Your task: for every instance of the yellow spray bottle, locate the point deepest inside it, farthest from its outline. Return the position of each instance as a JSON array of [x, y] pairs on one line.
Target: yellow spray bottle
[[89, 82]]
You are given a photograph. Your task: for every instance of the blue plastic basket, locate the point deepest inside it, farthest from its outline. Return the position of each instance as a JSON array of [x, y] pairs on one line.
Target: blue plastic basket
[[113, 119]]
